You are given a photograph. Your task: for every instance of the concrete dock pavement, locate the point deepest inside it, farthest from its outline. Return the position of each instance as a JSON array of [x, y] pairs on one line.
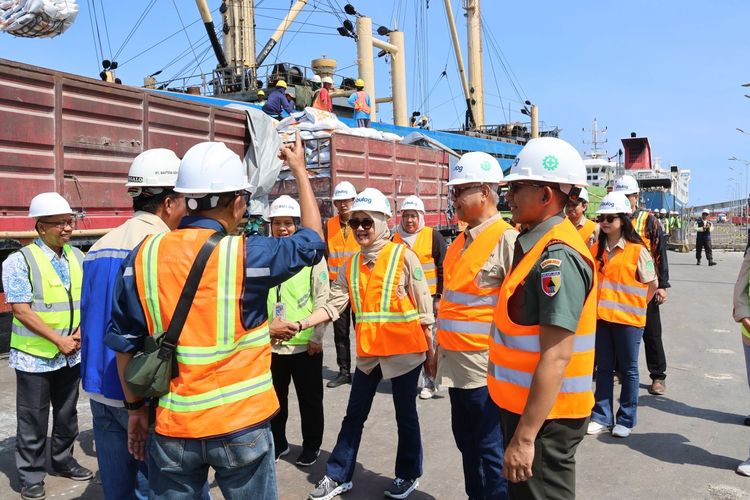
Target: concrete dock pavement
[[686, 444]]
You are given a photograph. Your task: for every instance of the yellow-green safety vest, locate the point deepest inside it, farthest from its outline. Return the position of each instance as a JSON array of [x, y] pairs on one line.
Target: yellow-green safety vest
[[297, 296]]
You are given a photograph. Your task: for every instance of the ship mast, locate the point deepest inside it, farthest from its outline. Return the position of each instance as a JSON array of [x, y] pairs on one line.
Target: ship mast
[[239, 34], [476, 74]]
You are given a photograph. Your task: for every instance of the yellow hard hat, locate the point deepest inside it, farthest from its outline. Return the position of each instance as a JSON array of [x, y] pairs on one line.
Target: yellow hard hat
[[281, 83], [261, 93], [359, 83]]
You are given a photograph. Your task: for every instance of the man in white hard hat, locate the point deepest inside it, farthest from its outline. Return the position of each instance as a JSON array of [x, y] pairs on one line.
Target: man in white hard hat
[[322, 97], [158, 209], [664, 222], [224, 345], [42, 284], [542, 344], [650, 231], [341, 245], [576, 212], [703, 228], [473, 270]]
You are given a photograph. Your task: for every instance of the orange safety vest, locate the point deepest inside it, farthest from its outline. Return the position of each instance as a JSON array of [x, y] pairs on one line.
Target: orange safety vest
[[640, 223], [621, 297], [423, 248], [361, 103], [515, 349], [465, 316], [587, 230], [224, 383], [386, 323], [340, 248]]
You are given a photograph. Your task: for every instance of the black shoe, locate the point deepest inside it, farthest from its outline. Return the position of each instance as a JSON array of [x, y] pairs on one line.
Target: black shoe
[[76, 472], [698, 263], [281, 453], [34, 491], [747, 420], [307, 458], [711, 263], [341, 379]]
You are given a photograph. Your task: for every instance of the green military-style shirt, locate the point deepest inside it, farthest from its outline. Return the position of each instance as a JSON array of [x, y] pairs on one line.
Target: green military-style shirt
[[545, 302]]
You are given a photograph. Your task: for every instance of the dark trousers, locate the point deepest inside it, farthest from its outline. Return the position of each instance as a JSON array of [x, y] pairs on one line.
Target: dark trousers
[[35, 392], [342, 342], [475, 420], [307, 373], [703, 244], [554, 467], [340, 466], [656, 360]]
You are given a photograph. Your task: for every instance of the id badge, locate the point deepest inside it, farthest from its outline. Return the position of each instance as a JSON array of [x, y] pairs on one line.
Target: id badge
[[279, 310]]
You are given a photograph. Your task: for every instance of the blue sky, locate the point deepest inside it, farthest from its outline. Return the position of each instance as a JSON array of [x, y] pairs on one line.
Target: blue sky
[[670, 70]]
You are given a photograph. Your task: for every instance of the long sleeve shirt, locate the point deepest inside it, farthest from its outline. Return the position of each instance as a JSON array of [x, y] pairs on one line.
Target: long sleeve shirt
[[277, 102], [658, 250]]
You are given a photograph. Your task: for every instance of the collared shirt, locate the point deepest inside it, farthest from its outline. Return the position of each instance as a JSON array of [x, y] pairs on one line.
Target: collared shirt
[[269, 262], [658, 247], [17, 287], [418, 290], [468, 369], [741, 309], [594, 236], [645, 269]]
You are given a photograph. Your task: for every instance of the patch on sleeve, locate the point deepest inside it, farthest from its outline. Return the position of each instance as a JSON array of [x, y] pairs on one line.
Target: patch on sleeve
[[650, 265], [551, 282], [549, 263], [418, 274], [323, 276]]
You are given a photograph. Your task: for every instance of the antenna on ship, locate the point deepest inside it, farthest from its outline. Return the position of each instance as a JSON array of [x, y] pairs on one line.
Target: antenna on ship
[[595, 152]]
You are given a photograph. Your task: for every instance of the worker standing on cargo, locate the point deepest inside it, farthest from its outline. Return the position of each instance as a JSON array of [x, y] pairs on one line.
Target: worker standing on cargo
[[542, 344], [224, 347], [386, 286], [430, 246], [576, 212], [649, 230], [277, 102], [360, 101], [261, 97], [703, 228], [299, 359], [741, 313], [158, 209], [322, 98], [341, 244], [42, 284], [475, 265]]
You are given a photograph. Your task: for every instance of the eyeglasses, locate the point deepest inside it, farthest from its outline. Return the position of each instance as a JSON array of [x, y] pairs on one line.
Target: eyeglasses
[[61, 224], [365, 224], [514, 187], [609, 218], [457, 191]]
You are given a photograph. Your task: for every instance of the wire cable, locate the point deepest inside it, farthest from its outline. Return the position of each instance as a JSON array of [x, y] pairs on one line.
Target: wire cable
[[184, 30], [106, 29], [135, 27]]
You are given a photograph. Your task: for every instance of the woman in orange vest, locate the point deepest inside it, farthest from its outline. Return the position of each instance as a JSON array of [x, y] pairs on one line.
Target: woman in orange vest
[[430, 247], [627, 282], [388, 292]]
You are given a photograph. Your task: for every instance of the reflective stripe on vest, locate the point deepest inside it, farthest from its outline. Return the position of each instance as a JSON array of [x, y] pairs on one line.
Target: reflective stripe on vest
[[514, 349], [640, 223], [387, 324], [743, 330], [340, 249], [58, 307], [297, 296], [465, 316], [423, 248], [621, 297], [224, 369]]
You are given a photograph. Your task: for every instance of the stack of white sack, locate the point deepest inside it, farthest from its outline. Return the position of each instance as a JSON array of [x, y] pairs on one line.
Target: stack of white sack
[[311, 123], [371, 133], [37, 18]]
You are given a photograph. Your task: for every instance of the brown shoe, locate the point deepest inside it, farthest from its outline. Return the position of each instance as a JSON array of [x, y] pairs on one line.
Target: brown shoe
[[658, 388]]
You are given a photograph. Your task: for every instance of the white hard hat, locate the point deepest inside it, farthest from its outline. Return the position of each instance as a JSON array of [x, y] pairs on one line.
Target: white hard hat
[[627, 184], [283, 206], [372, 200], [210, 167], [344, 191], [328, 79], [673, 212], [45, 204], [315, 78], [663, 211], [154, 168], [584, 195], [548, 159], [615, 203], [706, 211], [412, 203], [476, 166]]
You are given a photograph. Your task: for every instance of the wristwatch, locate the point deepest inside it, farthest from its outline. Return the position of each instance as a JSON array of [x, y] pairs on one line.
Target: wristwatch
[[135, 405]]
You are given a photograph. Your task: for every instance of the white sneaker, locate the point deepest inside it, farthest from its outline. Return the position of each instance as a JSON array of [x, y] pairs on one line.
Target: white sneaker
[[621, 431], [426, 393], [744, 468], [596, 428]]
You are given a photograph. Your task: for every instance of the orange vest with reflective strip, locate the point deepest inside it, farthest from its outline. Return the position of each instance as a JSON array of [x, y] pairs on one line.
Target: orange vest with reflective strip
[[515, 349], [361, 103], [340, 249], [587, 230], [423, 248], [622, 298], [224, 383], [465, 315], [639, 223], [387, 324]]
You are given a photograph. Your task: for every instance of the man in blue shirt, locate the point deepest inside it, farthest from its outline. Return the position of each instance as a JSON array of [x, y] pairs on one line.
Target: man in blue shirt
[[277, 102]]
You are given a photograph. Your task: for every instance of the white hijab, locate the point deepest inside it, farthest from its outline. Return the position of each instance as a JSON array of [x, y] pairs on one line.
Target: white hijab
[[407, 237]]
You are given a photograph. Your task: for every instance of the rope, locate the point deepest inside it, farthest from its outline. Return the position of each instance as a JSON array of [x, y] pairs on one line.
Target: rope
[[184, 29]]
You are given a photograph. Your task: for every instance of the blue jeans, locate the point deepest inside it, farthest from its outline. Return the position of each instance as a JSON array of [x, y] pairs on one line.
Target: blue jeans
[[123, 477], [244, 465], [622, 343], [475, 420], [340, 466]]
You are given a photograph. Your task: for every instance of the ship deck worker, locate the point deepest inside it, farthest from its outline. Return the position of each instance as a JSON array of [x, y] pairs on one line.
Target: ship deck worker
[[542, 344], [627, 282], [224, 348], [322, 99], [576, 213], [340, 246], [299, 359], [430, 246], [158, 209], [277, 102], [649, 230], [388, 291], [475, 265], [42, 284], [261, 97], [360, 101], [741, 314], [703, 228]]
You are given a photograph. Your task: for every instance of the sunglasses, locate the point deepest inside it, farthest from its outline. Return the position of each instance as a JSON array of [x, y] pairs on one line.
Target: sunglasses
[[609, 218], [365, 224], [457, 191]]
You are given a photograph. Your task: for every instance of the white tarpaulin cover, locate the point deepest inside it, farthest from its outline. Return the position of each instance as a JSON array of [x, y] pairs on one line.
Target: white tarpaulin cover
[[37, 18]]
